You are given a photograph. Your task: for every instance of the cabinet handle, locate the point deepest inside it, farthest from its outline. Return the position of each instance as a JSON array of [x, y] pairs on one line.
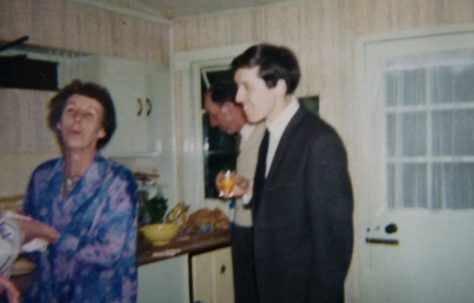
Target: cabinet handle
[[148, 103], [140, 107], [223, 269]]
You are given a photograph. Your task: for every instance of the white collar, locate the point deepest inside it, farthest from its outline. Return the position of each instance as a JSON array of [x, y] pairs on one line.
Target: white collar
[[278, 126]]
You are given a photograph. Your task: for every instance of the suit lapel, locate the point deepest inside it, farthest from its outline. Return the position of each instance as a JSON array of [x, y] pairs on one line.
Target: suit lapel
[[285, 140]]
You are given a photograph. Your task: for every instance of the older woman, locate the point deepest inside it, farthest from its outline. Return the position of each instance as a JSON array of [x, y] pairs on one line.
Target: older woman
[[90, 201]]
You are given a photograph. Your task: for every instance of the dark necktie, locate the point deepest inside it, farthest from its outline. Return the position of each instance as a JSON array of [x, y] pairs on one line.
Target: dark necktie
[[259, 178]]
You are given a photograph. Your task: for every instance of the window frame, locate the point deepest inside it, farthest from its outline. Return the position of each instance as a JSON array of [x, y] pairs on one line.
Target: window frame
[[190, 65]]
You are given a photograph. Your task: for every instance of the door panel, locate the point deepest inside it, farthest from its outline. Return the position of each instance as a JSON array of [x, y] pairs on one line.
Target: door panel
[[419, 224]]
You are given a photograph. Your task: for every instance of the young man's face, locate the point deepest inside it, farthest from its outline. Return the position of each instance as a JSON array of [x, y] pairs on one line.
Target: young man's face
[[258, 100]]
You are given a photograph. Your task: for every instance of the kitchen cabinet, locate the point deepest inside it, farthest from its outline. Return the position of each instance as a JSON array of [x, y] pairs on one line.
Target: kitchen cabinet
[[212, 277], [137, 89], [164, 281], [194, 268]]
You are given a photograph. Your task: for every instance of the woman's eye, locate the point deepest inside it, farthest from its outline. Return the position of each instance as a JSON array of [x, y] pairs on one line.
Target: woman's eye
[[90, 115]]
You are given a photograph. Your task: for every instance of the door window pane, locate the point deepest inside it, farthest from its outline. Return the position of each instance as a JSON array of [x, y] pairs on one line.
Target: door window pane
[[430, 131], [414, 134], [453, 84], [405, 87], [453, 132], [452, 185], [414, 186]]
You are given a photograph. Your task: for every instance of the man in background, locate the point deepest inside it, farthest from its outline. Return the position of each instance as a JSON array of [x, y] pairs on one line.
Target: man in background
[[301, 195], [229, 117]]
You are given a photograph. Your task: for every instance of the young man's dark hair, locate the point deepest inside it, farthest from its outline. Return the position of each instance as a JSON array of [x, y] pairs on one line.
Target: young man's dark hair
[[275, 62]]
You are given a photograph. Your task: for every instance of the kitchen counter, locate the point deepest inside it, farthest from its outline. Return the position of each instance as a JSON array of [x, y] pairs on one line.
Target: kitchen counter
[[171, 274], [182, 245]]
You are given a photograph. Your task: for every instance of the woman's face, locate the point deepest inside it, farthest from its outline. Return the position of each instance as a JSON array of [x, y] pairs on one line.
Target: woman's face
[[81, 123]]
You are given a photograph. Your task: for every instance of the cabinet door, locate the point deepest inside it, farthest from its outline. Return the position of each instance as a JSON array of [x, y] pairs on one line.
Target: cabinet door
[[165, 281], [212, 280], [157, 113], [126, 82]]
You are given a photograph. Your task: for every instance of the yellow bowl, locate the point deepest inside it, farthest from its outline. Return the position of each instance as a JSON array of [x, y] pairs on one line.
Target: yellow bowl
[[160, 234]]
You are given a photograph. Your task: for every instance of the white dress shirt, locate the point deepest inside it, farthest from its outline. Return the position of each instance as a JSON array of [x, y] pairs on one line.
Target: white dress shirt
[[276, 129]]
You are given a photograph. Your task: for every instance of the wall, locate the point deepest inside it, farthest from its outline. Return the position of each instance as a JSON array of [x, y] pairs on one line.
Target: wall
[[69, 25], [323, 34]]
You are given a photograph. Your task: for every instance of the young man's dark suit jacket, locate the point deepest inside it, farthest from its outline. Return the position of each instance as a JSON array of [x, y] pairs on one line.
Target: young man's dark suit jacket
[[303, 222]]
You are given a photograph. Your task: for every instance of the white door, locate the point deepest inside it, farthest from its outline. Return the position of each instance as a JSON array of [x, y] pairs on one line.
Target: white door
[[415, 168]]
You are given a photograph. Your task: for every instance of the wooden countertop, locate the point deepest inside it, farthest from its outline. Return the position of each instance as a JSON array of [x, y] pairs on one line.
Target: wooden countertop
[[183, 245]]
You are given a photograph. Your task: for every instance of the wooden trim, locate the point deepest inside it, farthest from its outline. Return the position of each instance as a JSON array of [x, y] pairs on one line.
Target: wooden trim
[[11, 198]]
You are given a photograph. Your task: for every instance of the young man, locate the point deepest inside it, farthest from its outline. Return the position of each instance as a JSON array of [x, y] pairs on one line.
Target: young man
[[229, 117], [302, 214]]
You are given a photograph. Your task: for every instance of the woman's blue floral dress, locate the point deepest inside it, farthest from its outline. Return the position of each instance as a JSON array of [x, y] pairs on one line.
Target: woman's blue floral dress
[[94, 259]]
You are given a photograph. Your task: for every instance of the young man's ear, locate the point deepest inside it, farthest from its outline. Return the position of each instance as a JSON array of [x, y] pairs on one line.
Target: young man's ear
[[281, 87]]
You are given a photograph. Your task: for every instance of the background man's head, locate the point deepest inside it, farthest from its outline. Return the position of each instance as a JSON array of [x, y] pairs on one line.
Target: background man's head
[[223, 112], [266, 75]]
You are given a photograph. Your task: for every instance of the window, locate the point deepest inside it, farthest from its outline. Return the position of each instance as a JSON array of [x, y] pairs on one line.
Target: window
[[219, 149], [429, 118]]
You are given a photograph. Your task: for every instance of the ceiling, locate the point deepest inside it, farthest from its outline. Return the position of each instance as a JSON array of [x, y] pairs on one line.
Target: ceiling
[[172, 9]]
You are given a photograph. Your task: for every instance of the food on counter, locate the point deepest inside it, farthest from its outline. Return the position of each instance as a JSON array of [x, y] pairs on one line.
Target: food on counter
[[206, 220], [178, 215]]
